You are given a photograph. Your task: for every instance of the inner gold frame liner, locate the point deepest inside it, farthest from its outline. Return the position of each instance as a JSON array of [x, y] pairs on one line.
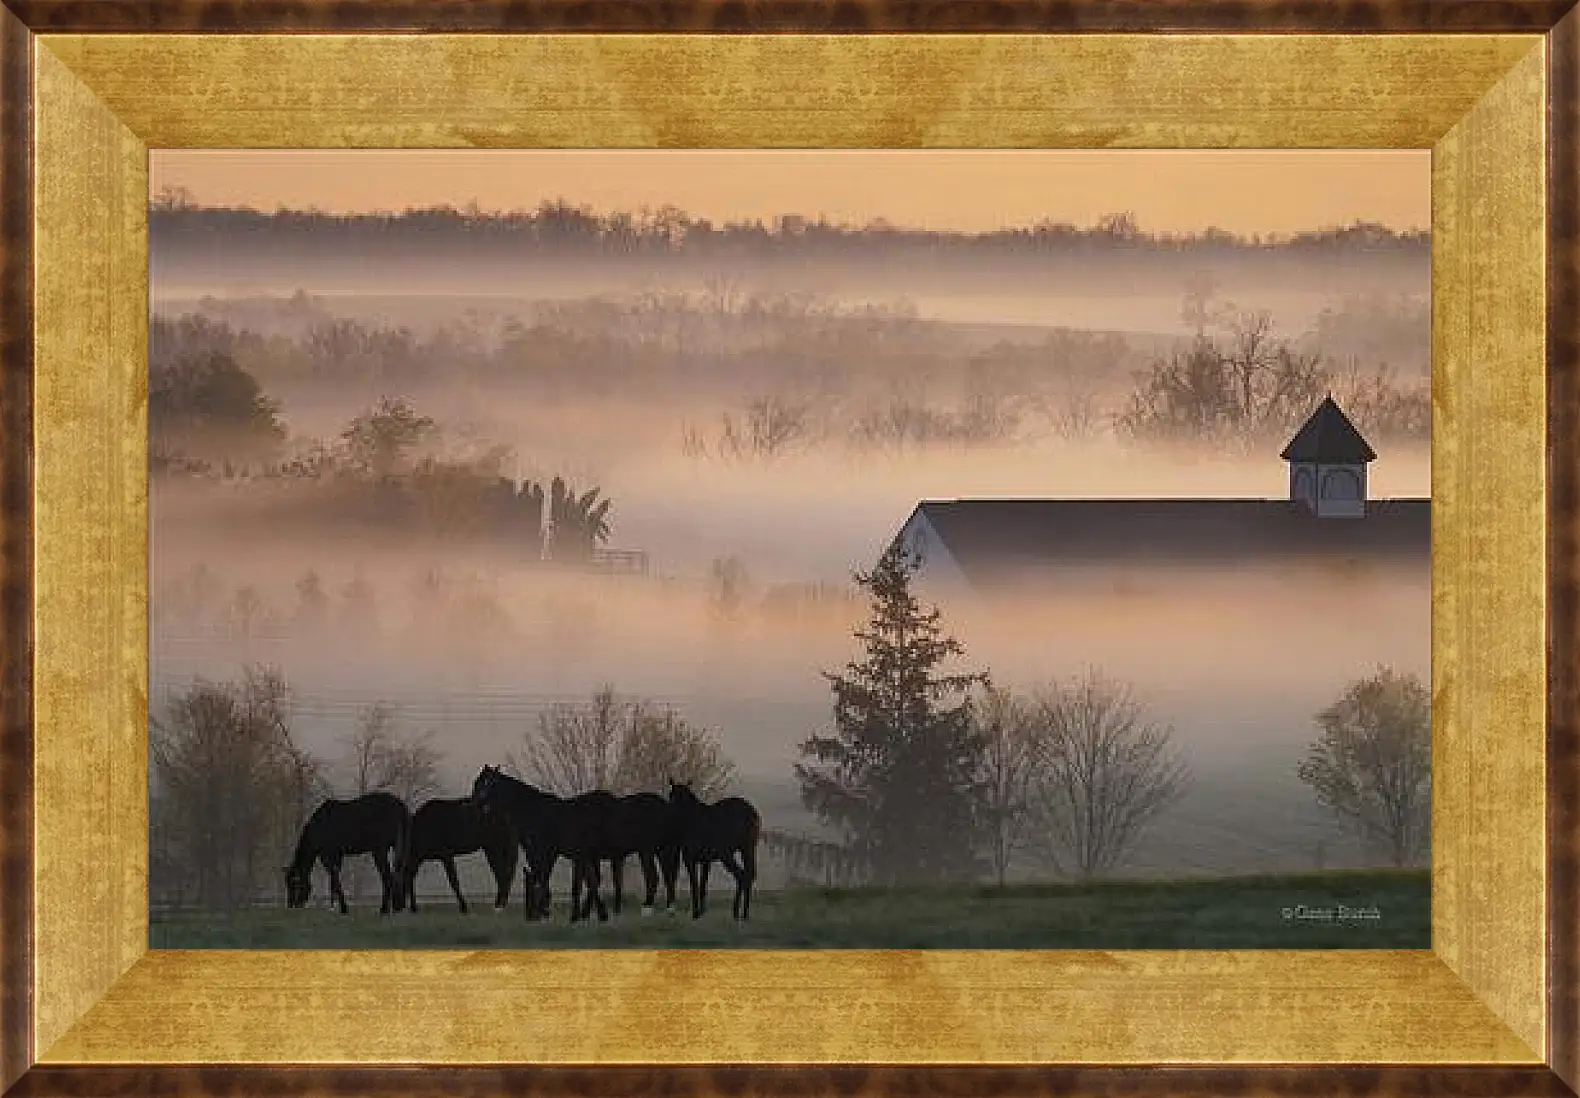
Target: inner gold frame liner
[[1475, 101]]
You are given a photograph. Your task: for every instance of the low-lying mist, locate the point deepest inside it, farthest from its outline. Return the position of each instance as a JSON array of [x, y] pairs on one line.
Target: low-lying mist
[[474, 637], [1236, 662], [1214, 650], [806, 516]]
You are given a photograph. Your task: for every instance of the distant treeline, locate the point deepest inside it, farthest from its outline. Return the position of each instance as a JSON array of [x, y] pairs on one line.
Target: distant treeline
[[176, 221], [718, 345], [766, 375]]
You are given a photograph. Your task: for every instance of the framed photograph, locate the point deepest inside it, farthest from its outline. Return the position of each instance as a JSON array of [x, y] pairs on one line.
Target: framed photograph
[[1068, 512], [524, 532]]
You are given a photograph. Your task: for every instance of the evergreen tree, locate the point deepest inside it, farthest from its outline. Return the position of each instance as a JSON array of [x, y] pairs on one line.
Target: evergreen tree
[[900, 772]]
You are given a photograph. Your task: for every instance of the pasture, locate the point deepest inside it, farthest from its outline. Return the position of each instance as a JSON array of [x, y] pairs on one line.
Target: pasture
[[1294, 911]]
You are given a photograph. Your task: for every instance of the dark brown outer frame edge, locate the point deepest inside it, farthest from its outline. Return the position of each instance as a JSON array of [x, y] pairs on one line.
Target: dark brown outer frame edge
[[1563, 547], [16, 347], [789, 1082], [790, 16], [16, 549]]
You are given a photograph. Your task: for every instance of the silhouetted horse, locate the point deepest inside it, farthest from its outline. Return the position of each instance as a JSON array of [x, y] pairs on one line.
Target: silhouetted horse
[[547, 827], [645, 825], [442, 830], [717, 832], [375, 823]]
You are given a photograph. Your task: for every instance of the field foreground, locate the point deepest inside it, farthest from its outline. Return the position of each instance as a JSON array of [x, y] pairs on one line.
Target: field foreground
[[1368, 909]]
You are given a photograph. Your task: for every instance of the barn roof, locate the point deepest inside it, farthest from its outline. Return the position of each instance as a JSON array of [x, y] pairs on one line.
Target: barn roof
[[1328, 436], [986, 536]]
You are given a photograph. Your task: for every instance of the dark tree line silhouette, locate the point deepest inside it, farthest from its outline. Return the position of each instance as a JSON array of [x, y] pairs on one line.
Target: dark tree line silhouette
[[1243, 386], [558, 225]]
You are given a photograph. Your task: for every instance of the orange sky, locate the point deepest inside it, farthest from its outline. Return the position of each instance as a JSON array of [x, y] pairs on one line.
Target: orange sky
[[1277, 191]]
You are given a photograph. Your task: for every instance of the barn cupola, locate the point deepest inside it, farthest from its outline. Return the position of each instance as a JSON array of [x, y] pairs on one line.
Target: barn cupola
[[1327, 464]]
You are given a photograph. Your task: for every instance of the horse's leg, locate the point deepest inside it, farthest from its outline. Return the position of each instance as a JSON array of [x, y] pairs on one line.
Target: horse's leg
[[409, 875], [691, 879], [578, 878], [734, 870], [502, 883], [455, 881], [617, 870], [737, 870], [386, 881], [531, 870], [504, 867], [649, 880], [544, 875], [594, 899], [669, 859], [336, 893], [397, 880], [749, 871], [702, 898]]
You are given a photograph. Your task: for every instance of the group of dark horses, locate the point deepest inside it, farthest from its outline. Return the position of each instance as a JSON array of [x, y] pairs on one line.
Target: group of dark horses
[[506, 818]]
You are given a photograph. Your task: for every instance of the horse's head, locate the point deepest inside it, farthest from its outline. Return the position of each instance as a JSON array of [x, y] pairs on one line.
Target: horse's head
[[484, 782], [484, 787], [680, 793], [298, 886]]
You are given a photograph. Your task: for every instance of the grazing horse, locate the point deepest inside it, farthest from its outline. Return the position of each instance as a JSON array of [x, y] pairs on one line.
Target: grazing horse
[[374, 823], [645, 825], [717, 832], [441, 830], [547, 827]]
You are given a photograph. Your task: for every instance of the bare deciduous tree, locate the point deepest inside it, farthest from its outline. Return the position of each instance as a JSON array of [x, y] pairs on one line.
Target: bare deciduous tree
[[1009, 734], [381, 759], [1104, 773], [412, 769], [368, 749], [769, 427], [659, 746], [1073, 408], [1384, 406], [573, 748], [624, 746], [1372, 765], [1243, 386]]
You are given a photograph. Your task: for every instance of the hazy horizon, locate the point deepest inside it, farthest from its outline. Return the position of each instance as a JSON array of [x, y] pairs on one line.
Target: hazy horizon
[[1240, 191]]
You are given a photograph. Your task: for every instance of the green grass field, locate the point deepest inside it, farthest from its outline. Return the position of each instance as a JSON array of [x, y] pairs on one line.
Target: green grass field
[[1267, 912]]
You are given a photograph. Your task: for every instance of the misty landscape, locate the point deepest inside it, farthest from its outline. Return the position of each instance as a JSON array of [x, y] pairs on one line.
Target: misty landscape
[[609, 499]]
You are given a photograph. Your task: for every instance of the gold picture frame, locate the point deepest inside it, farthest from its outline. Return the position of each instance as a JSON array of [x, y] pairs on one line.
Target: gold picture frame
[[1489, 86]]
